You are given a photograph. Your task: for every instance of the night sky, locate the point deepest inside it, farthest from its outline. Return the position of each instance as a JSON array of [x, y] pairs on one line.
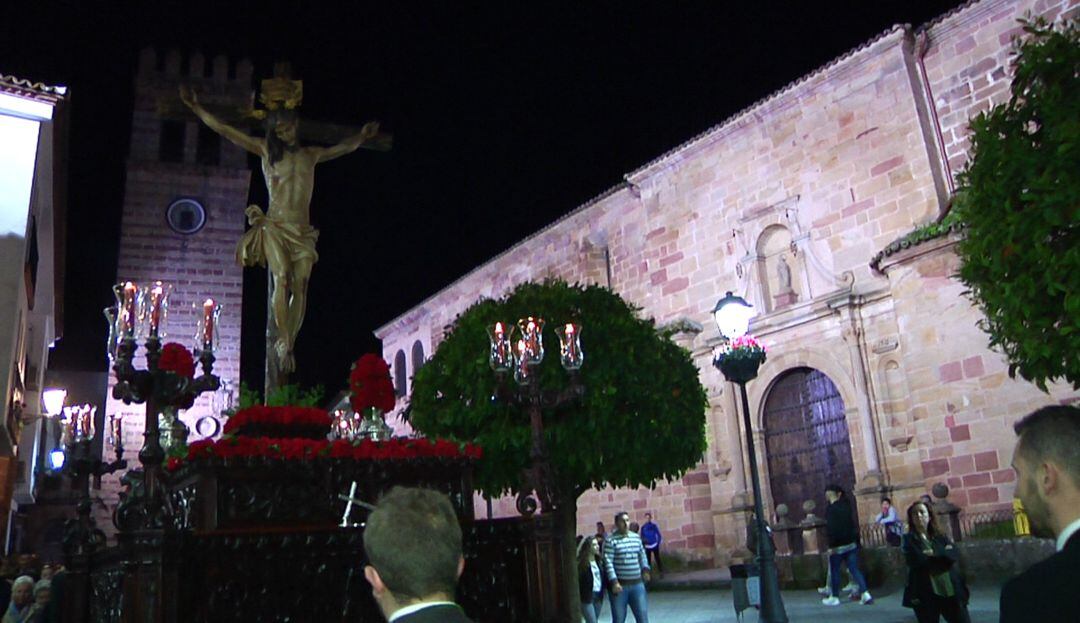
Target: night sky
[[504, 119]]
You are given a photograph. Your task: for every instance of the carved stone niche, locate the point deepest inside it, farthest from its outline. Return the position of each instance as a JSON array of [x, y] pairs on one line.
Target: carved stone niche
[[778, 268]]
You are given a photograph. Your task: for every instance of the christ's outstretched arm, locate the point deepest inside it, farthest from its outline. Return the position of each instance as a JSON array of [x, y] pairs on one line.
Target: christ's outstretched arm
[[350, 144], [234, 135]]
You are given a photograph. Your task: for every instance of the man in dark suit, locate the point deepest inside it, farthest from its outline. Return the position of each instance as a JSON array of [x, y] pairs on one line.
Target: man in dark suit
[[1047, 465], [413, 544]]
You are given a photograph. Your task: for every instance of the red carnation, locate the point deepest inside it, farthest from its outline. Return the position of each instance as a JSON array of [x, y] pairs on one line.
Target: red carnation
[[177, 359], [371, 386]]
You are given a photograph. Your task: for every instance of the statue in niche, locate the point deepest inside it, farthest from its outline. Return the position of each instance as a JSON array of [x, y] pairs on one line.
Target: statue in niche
[[783, 273], [785, 293]]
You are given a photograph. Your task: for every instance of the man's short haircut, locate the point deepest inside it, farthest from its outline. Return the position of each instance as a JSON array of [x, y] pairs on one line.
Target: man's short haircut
[[835, 488], [1051, 433], [22, 579], [413, 539], [620, 514]]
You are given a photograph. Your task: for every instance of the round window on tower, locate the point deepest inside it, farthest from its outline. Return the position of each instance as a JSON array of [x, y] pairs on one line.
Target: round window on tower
[[185, 216]]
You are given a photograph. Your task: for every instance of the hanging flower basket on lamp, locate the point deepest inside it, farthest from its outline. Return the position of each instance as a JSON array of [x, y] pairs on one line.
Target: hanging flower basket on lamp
[[739, 359], [740, 356]]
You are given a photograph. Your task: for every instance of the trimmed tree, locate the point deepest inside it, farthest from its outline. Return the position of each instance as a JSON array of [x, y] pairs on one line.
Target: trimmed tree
[[642, 416], [1020, 203]]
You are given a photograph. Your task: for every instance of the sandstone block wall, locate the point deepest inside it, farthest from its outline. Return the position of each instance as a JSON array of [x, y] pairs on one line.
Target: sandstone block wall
[[821, 176]]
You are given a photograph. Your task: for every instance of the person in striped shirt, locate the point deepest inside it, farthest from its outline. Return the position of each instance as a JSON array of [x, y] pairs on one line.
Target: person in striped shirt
[[627, 570]]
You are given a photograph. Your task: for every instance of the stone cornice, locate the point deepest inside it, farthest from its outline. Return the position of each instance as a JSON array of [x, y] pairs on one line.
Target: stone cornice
[[910, 253]]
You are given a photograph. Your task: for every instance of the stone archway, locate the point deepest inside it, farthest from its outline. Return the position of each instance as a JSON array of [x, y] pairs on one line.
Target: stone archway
[[807, 445]]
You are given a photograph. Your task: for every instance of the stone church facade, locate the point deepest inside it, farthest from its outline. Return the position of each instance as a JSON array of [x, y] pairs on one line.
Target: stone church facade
[[877, 373]]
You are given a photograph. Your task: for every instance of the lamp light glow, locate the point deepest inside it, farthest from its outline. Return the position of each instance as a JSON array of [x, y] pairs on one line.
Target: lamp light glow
[[53, 401], [733, 314], [57, 458]]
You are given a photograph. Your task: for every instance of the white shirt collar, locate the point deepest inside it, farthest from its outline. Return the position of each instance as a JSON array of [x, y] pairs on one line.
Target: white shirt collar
[[1069, 530], [400, 612]]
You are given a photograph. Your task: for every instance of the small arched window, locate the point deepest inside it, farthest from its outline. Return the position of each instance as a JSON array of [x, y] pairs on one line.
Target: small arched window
[[417, 356], [400, 374]]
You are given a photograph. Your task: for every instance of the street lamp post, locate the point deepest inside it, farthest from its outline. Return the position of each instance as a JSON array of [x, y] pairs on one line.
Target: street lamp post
[[739, 364]]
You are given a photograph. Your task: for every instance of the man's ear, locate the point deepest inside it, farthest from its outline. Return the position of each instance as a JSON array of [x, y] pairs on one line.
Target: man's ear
[[373, 578], [1048, 477], [460, 566]]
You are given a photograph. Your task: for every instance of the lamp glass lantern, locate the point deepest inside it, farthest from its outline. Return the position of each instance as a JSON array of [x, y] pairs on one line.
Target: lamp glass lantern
[[53, 401], [57, 458], [570, 355], [733, 314], [532, 333], [501, 357]]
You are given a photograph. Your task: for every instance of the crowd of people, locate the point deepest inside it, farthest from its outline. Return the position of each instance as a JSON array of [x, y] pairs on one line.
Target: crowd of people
[[26, 590], [1047, 465], [413, 543], [618, 564]]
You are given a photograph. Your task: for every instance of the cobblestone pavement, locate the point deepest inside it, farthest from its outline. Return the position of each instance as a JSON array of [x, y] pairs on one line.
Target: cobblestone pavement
[[714, 605]]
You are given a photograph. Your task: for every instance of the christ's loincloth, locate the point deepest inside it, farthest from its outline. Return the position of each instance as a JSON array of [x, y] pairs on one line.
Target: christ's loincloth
[[296, 242]]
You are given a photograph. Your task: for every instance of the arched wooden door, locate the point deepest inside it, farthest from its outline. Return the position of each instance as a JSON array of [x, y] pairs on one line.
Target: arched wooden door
[[806, 440]]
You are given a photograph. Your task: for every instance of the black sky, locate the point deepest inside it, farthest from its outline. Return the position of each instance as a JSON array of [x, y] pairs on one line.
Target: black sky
[[504, 117]]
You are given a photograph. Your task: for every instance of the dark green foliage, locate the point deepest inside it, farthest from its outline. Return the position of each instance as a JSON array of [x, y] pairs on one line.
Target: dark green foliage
[[284, 396], [642, 417], [1020, 203]]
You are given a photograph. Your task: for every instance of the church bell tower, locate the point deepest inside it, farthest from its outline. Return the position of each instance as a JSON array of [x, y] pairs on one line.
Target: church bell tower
[[183, 212]]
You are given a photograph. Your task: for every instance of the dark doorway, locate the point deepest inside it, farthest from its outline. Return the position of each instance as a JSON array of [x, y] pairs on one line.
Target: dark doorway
[[806, 441]]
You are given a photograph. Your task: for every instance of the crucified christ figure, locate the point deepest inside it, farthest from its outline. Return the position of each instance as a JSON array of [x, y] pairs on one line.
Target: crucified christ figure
[[282, 238]]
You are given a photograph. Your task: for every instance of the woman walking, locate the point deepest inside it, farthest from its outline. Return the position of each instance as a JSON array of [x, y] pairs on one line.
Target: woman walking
[[590, 579], [934, 587]]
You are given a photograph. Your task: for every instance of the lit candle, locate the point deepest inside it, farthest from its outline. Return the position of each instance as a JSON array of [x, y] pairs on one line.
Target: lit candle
[[156, 295], [501, 342], [571, 346], [130, 292], [208, 324], [116, 429], [69, 428]]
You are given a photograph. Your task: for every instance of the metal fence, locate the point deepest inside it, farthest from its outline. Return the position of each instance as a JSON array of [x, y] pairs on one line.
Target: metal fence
[[961, 526], [1001, 524]]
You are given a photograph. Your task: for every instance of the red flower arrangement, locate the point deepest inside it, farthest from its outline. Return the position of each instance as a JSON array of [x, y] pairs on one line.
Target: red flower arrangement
[[309, 449], [177, 359], [370, 384], [283, 421]]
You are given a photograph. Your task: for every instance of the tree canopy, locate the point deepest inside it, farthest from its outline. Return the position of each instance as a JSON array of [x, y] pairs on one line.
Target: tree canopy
[[642, 417], [1020, 203]]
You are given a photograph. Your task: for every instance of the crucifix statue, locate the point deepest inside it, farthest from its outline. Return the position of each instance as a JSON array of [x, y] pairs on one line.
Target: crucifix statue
[[282, 238]]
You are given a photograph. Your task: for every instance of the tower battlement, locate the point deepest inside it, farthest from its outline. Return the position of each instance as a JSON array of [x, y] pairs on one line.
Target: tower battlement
[[172, 65]]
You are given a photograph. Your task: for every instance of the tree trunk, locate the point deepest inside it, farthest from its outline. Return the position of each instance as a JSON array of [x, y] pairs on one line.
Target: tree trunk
[[566, 518]]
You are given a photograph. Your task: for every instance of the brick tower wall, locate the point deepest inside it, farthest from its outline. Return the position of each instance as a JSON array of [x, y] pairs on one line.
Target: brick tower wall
[[200, 265]]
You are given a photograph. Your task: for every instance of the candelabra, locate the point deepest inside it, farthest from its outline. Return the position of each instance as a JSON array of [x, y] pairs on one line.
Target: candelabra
[[538, 479], [143, 311], [81, 536]]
